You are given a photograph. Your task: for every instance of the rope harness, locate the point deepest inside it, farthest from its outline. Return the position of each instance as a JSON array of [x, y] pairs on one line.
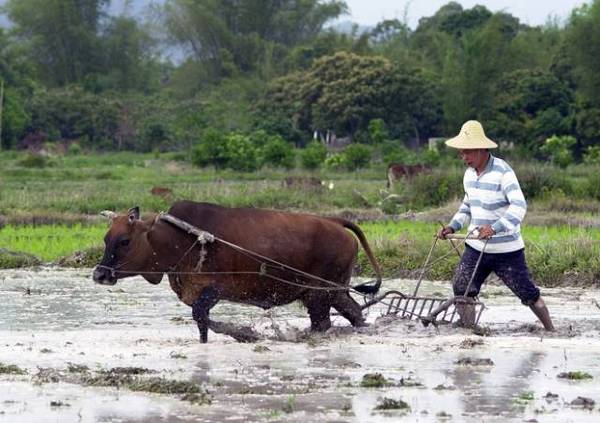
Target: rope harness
[[265, 264]]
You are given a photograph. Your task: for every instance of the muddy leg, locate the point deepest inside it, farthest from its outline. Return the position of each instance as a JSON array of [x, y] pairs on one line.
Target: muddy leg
[[319, 315], [200, 309], [541, 311], [466, 311], [349, 308]]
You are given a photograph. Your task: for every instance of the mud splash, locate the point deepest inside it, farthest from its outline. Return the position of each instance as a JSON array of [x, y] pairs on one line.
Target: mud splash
[[60, 330]]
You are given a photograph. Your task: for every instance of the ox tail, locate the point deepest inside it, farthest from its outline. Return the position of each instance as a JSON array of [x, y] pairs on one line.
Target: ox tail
[[365, 288]]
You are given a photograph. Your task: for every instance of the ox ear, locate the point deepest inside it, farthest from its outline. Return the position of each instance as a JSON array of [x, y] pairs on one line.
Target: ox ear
[[133, 214]]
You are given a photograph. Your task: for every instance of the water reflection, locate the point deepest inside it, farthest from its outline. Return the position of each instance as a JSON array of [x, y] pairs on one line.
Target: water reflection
[[492, 390]]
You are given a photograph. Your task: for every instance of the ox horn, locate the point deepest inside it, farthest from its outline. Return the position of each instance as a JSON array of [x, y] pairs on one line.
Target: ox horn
[[107, 213]]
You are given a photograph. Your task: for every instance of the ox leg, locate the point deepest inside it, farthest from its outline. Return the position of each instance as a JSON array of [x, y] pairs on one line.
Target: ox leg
[[200, 309], [318, 310], [349, 308]]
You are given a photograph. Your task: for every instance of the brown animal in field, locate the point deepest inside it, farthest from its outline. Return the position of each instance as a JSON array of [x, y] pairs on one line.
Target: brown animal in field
[[317, 246], [161, 192], [396, 171], [303, 182]]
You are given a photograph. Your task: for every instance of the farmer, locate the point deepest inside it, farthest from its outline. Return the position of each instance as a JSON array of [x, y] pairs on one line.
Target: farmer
[[495, 206]]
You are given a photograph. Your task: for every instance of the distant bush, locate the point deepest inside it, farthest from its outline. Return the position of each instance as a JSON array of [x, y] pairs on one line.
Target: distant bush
[[357, 156], [313, 155], [394, 151], [378, 132], [434, 189], [33, 161], [592, 155], [241, 153], [211, 150], [535, 180], [336, 161], [559, 149], [74, 149], [277, 152]]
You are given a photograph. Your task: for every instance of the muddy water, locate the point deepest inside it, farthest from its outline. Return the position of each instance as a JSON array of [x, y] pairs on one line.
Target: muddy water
[[53, 319]]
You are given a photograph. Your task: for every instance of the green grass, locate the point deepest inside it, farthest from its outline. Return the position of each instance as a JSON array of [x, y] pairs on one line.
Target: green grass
[[556, 255], [50, 242]]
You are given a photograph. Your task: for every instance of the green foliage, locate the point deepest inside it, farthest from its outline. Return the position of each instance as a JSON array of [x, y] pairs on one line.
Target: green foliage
[[378, 132], [241, 153], [211, 150], [33, 160], [344, 92], [592, 155], [74, 149], [537, 180], [335, 161], [313, 155], [277, 152], [583, 40], [434, 189], [357, 156], [395, 152], [247, 36], [558, 149]]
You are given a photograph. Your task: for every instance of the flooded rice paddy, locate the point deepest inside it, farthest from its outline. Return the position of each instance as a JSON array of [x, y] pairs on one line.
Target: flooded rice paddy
[[71, 350]]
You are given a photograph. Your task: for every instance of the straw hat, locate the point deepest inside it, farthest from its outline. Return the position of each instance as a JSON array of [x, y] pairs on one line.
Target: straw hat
[[471, 137]]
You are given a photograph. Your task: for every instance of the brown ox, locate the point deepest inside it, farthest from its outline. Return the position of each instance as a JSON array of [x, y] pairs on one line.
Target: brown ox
[[315, 245], [396, 171]]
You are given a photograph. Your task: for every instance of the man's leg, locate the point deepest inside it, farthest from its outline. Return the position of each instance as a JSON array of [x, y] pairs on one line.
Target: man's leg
[[512, 269], [462, 277]]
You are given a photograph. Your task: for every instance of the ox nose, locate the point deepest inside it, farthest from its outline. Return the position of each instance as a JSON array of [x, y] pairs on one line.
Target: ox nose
[[102, 276]]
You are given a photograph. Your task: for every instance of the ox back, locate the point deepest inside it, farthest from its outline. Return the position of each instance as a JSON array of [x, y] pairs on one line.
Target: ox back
[[203, 275]]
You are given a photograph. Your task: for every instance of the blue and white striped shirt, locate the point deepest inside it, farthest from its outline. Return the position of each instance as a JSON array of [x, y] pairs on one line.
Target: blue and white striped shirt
[[493, 198]]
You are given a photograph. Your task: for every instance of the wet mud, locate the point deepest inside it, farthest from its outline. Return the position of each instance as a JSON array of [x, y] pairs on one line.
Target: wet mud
[[71, 350]]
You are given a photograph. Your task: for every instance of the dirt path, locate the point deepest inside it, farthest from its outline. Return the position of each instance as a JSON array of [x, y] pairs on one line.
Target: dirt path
[[92, 354]]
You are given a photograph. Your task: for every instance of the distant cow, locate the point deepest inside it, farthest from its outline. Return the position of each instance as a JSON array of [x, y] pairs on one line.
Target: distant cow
[[396, 171], [303, 182], [161, 192]]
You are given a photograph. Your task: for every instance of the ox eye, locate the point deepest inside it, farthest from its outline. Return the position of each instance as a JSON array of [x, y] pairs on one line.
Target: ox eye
[[124, 243]]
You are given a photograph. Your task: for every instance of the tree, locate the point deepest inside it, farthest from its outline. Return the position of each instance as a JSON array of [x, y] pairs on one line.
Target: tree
[[229, 36], [62, 34], [583, 41], [344, 92], [529, 107]]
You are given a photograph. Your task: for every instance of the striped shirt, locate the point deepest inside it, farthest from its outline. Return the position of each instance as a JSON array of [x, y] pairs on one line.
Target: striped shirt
[[493, 198]]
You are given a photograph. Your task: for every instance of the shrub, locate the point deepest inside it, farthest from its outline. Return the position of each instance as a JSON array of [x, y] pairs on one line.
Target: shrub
[[535, 180], [357, 156], [74, 149], [558, 149], [241, 154], [378, 132], [313, 155], [211, 150], [434, 189], [335, 161], [592, 155], [33, 161], [277, 152], [395, 152]]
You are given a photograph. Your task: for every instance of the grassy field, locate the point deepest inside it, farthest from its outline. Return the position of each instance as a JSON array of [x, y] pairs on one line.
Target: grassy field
[[50, 206], [557, 255]]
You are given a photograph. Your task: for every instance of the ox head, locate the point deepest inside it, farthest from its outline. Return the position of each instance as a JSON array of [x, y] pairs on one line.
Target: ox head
[[127, 250]]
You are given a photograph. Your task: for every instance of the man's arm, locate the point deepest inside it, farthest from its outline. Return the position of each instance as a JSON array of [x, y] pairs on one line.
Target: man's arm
[[463, 216], [517, 205]]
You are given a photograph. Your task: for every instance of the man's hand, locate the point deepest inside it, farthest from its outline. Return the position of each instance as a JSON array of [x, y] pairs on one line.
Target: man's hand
[[486, 232], [446, 230]]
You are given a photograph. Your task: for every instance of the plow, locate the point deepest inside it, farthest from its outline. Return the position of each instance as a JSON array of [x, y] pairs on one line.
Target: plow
[[429, 309]]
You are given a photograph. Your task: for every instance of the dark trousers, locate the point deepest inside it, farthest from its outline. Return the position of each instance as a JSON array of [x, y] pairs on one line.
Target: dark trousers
[[511, 268]]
